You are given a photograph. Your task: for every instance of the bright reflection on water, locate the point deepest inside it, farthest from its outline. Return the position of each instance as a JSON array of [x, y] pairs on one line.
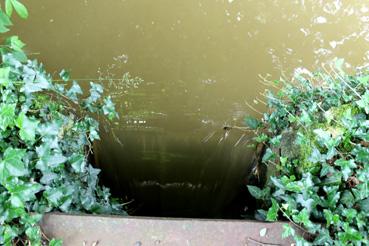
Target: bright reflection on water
[[205, 64]]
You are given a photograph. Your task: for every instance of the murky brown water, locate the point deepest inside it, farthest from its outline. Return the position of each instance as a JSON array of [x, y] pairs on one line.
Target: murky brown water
[[202, 61]]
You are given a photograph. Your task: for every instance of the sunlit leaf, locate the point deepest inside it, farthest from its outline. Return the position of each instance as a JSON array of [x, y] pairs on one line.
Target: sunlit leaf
[[272, 214], [15, 43], [8, 7], [12, 164], [4, 76], [20, 9], [4, 22], [7, 115], [27, 127], [64, 75]]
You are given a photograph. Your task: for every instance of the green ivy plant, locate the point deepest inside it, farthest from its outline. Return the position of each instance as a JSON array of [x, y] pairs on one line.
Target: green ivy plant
[[316, 135], [47, 128]]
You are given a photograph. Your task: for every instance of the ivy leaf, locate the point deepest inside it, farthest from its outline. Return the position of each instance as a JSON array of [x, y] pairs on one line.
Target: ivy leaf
[[9, 233], [308, 203], [252, 122], [322, 136], [295, 187], [16, 201], [74, 91], [349, 234], [258, 193], [334, 179], [363, 174], [7, 114], [92, 178], [25, 191], [364, 205], [261, 138], [346, 167], [109, 108], [332, 196], [48, 177], [316, 156], [288, 231], [78, 162], [93, 133], [361, 153], [64, 75], [48, 159], [55, 159], [260, 215], [323, 238], [364, 102], [326, 169], [269, 155], [12, 164], [302, 217], [55, 242], [31, 219], [4, 22], [276, 141], [34, 234], [14, 212], [54, 195], [332, 219], [4, 76], [15, 43], [88, 200], [349, 213], [34, 82], [347, 199], [95, 92], [364, 80], [361, 191], [27, 127], [20, 9], [273, 211], [305, 118], [8, 7]]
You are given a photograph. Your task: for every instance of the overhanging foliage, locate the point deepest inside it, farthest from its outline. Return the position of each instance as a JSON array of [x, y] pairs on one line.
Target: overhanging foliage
[[317, 138], [46, 134]]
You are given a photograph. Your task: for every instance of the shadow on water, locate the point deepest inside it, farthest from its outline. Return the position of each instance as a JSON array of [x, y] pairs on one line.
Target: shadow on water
[[174, 175]]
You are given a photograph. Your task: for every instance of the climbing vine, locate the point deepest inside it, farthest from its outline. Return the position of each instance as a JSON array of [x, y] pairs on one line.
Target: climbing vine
[[47, 128], [316, 137]]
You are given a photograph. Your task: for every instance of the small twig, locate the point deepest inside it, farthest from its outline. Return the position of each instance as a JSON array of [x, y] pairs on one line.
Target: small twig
[[244, 129], [16, 242], [44, 236], [294, 223]]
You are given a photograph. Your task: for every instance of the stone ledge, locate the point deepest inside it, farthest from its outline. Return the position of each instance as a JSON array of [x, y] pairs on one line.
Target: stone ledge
[[90, 230]]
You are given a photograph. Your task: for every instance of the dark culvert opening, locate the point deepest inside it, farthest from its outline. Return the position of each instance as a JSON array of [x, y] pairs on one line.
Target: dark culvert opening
[[164, 176]]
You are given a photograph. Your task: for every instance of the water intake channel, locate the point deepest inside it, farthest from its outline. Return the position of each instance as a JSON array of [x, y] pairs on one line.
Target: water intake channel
[[204, 65]]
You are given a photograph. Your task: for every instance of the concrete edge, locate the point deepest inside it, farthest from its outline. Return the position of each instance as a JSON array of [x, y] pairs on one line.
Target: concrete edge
[[93, 230]]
